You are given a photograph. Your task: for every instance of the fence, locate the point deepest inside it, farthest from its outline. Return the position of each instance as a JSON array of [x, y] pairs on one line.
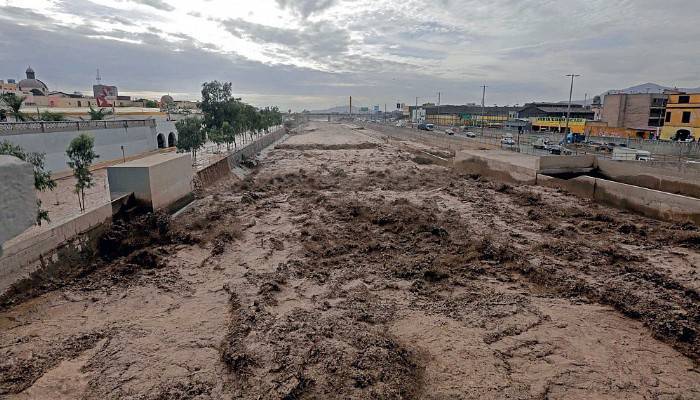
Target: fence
[[16, 128], [661, 151]]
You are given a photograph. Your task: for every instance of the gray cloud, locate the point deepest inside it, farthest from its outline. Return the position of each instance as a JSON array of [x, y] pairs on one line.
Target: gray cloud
[[157, 4], [378, 52], [305, 8]]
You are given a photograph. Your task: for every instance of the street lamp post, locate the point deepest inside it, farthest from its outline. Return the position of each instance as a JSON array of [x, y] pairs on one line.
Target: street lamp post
[[568, 108], [483, 108]]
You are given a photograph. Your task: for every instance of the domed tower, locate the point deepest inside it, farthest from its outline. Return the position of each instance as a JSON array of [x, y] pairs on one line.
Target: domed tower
[[33, 85], [30, 73]]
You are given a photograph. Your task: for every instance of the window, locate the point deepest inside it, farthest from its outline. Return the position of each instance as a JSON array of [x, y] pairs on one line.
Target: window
[[686, 117], [668, 116], [683, 99]]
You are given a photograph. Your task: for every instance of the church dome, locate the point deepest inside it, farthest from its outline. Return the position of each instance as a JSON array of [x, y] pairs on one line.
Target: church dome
[[167, 99], [31, 84]]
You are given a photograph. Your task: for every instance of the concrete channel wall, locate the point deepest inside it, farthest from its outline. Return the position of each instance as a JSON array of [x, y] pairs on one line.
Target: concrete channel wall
[[672, 179], [22, 257], [222, 168], [525, 169], [135, 136]]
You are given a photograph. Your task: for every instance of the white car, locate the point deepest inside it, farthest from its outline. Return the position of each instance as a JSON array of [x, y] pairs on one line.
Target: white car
[[508, 141], [470, 134], [449, 131]]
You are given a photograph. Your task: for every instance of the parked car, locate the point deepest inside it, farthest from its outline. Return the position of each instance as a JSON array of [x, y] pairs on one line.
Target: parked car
[[399, 124], [449, 131], [508, 141], [470, 134], [559, 150], [425, 127], [541, 143]]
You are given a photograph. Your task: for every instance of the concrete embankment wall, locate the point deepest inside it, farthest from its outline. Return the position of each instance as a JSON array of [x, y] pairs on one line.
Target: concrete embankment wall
[[68, 238], [108, 143], [494, 164], [22, 257], [681, 179], [222, 168], [649, 202], [519, 169], [565, 164]]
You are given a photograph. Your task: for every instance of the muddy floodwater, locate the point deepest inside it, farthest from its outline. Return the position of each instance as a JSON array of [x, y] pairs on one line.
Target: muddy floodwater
[[349, 266]]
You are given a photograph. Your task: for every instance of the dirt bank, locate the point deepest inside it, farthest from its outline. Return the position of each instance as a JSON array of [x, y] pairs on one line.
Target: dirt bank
[[348, 267]]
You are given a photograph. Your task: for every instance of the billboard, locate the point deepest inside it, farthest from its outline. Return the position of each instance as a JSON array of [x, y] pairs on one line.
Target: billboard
[[376, 108], [104, 93], [364, 109]]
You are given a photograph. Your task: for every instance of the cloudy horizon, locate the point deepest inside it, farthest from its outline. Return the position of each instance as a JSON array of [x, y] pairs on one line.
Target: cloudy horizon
[[313, 54]]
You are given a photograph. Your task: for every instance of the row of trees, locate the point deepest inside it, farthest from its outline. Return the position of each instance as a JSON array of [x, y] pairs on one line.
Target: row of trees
[[11, 103], [224, 118]]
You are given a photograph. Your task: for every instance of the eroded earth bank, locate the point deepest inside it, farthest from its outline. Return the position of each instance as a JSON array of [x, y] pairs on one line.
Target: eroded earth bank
[[349, 266]]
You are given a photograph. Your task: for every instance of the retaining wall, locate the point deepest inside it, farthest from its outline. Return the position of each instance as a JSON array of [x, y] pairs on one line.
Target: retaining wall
[[22, 257], [136, 136], [672, 179], [563, 164], [254, 148], [212, 173], [492, 164], [222, 168]]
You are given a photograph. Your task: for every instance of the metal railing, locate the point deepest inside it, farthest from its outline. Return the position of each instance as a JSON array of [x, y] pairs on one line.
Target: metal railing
[[17, 128], [677, 153]]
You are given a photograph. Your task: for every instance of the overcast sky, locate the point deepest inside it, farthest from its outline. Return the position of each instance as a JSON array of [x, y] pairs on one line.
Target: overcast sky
[[314, 53]]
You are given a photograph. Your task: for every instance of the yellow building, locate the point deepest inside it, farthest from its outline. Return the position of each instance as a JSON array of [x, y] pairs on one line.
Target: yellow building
[[682, 117], [556, 124]]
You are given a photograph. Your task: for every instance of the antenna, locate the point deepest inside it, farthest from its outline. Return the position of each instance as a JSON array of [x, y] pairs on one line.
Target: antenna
[[99, 78]]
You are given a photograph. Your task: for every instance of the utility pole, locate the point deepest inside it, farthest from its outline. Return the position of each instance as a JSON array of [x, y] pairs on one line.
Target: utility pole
[[568, 108], [416, 110], [350, 107], [385, 113], [483, 108], [438, 111]]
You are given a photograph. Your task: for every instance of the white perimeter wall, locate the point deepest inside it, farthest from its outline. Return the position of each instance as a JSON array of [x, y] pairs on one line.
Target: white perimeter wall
[[108, 143]]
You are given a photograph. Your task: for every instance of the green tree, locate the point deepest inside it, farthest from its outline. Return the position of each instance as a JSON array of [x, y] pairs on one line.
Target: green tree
[[14, 103], [98, 115], [81, 154], [251, 120], [217, 136], [229, 134], [191, 135], [42, 177], [52, 116], [216, 104]]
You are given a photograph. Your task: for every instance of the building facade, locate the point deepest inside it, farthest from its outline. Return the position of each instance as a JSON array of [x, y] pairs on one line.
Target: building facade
[[682, 120], [467, 115], [554, 110], [637, 110]]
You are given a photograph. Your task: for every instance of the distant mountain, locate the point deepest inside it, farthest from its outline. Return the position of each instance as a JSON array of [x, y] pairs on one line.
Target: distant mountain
[[338, 109]]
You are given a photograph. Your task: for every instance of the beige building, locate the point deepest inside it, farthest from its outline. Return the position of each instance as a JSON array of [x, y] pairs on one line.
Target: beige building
[[638, 110]]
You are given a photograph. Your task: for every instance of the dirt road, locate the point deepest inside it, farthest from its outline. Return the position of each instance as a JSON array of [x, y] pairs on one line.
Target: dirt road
[[349, 266]]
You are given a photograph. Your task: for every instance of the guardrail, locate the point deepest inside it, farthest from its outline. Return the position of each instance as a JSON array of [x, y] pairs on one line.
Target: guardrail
[[17, 128]]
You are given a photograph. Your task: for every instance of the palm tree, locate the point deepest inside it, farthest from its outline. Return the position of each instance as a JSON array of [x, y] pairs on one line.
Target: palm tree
[[98, 115], [14, 102]]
